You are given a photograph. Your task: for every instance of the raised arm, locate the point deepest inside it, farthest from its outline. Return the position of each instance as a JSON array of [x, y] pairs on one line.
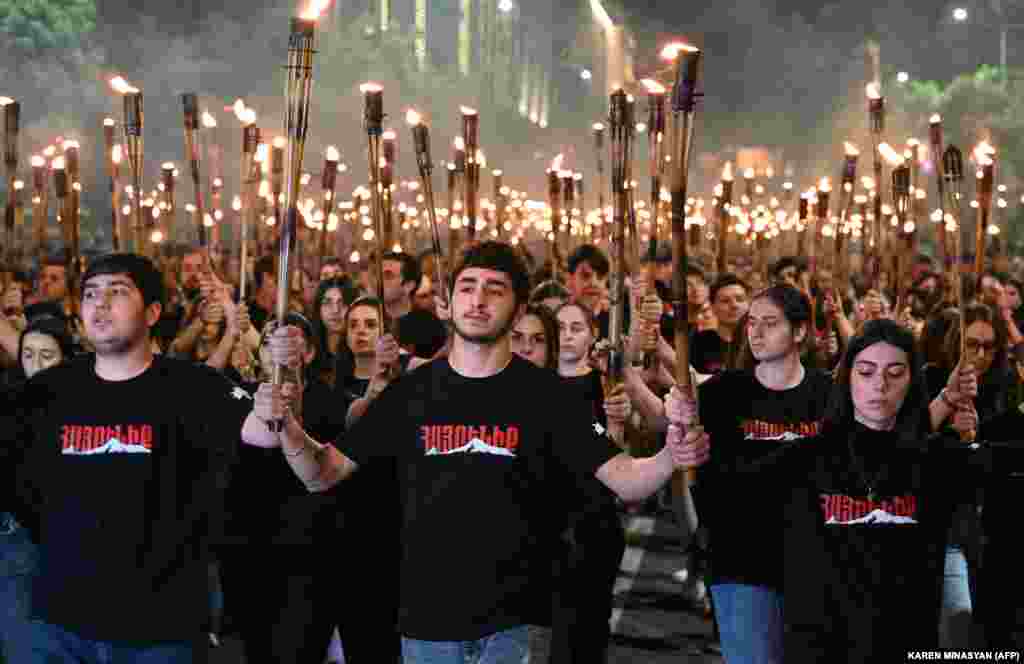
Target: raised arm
[[634, 479]]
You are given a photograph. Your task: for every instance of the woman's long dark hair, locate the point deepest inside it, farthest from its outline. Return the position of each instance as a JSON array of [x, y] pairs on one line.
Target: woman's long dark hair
[[912, 425], [551, 337], [345, 360], [349, 293]]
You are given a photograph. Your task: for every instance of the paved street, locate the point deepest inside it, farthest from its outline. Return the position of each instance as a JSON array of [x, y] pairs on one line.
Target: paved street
[[651, 622]]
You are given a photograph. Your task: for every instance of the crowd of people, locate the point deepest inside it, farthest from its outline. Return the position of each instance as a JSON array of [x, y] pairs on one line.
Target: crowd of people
[[452, 462]]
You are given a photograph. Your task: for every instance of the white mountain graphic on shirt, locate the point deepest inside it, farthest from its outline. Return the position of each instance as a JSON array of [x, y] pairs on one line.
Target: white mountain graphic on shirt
[[112, 446], [874, 516], [474, 446], [785, 436]]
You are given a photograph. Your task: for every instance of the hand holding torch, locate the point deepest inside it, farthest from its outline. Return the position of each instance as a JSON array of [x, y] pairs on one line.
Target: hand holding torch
[[421, 145], [298, 91]]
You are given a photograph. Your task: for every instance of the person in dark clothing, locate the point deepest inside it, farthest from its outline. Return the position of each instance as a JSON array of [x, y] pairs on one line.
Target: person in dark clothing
[[869, 505], [330, 304], [122, 486], [291, 617], [710, 349]]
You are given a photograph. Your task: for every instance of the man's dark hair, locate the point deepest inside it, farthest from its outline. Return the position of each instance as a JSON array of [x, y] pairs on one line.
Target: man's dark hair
[[724, 281], [594, 257], [501, 257], [694, 269], [784, 263], [139, 269], [410, 266], [263, 266], [548, 289]]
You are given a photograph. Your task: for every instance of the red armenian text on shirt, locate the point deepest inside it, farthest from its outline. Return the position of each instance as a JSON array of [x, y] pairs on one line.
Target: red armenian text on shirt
[[761, 430], [97, 439], [447, 438], [844, 510]]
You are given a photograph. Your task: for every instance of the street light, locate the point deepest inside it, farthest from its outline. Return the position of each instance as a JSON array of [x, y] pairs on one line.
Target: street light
[[960, 14]]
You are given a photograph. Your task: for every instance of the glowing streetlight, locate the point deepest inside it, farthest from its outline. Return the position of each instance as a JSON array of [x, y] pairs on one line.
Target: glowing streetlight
[[959, 14]]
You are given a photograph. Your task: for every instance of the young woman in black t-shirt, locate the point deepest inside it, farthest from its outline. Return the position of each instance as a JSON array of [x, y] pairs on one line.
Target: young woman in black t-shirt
[[869, 503]]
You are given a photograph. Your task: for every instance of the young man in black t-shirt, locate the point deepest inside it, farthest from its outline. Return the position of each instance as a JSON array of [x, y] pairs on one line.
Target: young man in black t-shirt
[[711, 349], [482, 440], [116, 460]]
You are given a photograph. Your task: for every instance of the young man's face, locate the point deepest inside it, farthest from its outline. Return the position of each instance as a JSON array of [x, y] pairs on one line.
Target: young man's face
[[483, 305], [730, 304], [696, 290], [53, 283], [115, 318], [586, 285], [770, 334]]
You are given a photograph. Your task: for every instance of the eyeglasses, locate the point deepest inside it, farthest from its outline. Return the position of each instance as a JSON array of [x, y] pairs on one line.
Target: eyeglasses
[[974, 345]]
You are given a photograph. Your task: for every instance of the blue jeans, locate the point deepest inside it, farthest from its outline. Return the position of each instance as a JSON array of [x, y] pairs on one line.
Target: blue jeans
[[955, 626], [42, 643], [750, 623], [19, 564], [510, 646]]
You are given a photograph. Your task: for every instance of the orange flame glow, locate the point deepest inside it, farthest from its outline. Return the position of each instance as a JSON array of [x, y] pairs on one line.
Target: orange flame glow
[[671, 52], [332, 153], [872, 91], [314, 9], [851, 149], [412, 117], [122, 86], [727, 172], [370, 87], [653, 87]]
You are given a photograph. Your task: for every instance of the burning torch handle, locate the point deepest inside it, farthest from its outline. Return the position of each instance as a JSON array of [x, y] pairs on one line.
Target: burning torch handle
[[435, 234]]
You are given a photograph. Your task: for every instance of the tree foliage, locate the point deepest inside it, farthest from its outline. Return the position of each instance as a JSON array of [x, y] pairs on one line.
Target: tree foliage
[[40, 25]]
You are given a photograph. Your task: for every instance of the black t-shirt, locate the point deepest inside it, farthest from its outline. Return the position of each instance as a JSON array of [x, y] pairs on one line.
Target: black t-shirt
[[123, 483], [477, 461], [863, 569], [748, 421], [708, 352], [267, 504]]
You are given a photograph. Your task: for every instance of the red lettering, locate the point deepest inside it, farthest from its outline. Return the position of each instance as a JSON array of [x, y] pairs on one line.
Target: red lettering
[[512, 438], [425, 437], [498, 438], [460, 435], [147, 436], [446, 438], [66, 437]]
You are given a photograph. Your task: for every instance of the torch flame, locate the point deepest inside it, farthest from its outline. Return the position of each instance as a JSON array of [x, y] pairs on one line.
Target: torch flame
[[6, 100], [824, 185], [727, 172], [653, 87], [58, 164], [465, 110], [315, 8], [671, 52], [370, 87], [122, 86], [935, 119], [168, 166], [71, 145], [460, 144], [389, 135], [261, 153], [108, 122], [872, 91], [412, 117], [913, 142], [332, 153], [236, 203], [49, 151], [851, 149], [209, 121], [983, 153], [245, 115], [598, 126], [556, 163], [115, 154], [748, 173], [890, 155], [280, 142], [38, 161]]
